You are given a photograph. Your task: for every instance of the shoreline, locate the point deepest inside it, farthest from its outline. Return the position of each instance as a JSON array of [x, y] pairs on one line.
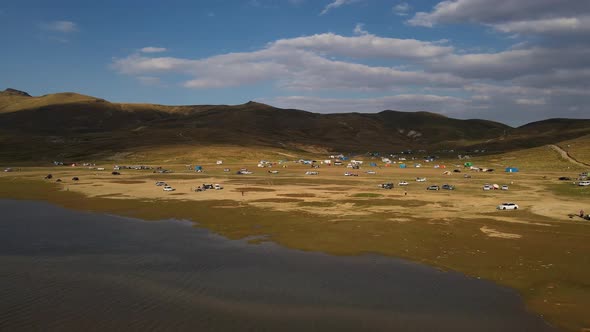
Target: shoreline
[[294, 222]]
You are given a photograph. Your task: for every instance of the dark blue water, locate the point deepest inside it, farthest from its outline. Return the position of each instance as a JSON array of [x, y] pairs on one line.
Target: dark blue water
[[63, 270]]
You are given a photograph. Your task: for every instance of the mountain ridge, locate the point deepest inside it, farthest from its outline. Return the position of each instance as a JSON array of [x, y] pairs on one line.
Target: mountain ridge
[[40, 123]]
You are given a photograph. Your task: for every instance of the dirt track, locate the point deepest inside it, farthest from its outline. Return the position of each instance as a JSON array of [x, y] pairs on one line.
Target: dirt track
[[566, 156]]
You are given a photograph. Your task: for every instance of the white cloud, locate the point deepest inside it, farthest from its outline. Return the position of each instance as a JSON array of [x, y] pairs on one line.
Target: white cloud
[[558, 25], [366, 45], [401, 9], [531, 102], [335, 4], [497, 11], [152, 49], [359, 29], [60, 26]]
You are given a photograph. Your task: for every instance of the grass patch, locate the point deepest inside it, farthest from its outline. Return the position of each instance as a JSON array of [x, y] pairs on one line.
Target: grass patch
[[278, 200], [297, 195], [254, 189], [569, 189], [317, 204], [367, 195]]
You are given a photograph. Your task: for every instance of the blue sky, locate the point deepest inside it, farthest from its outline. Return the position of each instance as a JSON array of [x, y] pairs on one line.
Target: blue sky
[[513, 61]]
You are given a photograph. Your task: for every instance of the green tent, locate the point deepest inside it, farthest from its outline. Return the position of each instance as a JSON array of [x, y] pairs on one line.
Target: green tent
[[468, 164]]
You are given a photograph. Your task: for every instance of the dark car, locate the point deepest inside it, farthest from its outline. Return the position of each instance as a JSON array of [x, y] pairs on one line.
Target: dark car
[[388, 185], [433, 188], [448, 187], [564, 178]]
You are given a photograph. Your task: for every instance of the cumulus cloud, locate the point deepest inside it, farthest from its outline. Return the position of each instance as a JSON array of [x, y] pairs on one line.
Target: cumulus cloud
[[484, 11], [401, 9], [152, 49], [335, 4], [366, 45], [525, 82]]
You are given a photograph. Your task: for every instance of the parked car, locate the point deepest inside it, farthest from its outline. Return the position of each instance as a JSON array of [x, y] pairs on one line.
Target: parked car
[[584, 183], [504, 187], [350, 174], [507, 206], [312, 173], [403, 183], [565, 178], [115, 173], [448, 187], [168, 188], [434, 187], [371, 172], [387, 185], [467, 176], [217, 186], [487, 187], [420, 179], [160, 183]]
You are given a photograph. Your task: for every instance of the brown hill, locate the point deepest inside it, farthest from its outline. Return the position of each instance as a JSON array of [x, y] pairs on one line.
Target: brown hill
[[69, 125]]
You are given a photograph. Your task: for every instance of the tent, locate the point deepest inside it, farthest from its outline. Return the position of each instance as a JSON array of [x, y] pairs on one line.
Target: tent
[[511, 169], [373, 164], [198, 168], [468, 164], [402, 165]]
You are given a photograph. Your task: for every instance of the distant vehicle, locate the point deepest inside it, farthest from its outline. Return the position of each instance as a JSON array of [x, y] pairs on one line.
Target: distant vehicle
[[273, 172], [420, 179], [434, 187], [312, 173], [507, 206], [387, 185], [75, 178], [350, 174], [217, 186], [467, 176], [448, 187], [584, 183], [244, 172], [115, 173], [168, 188], [8, 170], [226, 170], [371, 172], [565, 178], [504, 187], [402, 183], [160, 183], [208, 186], [457, 170], [487, 187]]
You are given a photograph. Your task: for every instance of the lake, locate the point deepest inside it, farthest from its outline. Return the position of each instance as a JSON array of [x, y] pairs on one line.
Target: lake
[[64, 270]]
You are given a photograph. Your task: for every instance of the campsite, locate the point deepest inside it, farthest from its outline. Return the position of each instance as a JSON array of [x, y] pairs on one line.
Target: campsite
[[450, 229]]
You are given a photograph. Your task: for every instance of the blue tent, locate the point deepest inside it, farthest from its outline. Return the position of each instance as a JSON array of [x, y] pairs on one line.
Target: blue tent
[[198, 168], [373, 164], [402, 165], [511, 169]]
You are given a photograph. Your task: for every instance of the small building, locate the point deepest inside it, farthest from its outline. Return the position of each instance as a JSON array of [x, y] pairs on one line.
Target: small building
[[511, 169]]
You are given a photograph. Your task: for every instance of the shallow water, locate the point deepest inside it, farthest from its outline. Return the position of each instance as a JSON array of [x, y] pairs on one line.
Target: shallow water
[[71, 271]]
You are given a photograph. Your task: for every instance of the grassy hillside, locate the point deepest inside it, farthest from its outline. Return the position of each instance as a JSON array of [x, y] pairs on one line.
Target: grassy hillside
[[75, 127], [578, 148]]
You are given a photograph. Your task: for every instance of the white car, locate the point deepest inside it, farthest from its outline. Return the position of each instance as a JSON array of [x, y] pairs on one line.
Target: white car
[[168, 188], [160, 183], [371, 172], [487, 187], [403, 183], [504, 187], [217, 186], [584, 183], [507, 206], [420, 179]]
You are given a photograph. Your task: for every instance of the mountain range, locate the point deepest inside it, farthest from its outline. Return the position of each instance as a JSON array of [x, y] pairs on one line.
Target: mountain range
[[75, 126]]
